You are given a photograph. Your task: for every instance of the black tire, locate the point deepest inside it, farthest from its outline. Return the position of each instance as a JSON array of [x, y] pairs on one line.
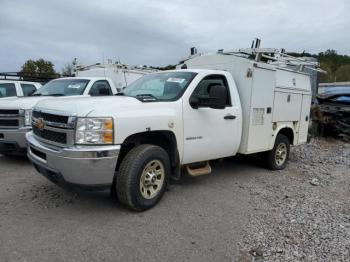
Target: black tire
[[270, 157], [130, 172]]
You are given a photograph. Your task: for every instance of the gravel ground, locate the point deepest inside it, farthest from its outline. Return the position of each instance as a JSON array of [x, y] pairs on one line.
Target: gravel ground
[[302, 213], [198, 219], [242, 212]]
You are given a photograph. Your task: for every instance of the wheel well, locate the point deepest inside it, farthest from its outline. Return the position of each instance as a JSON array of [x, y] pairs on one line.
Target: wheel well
[[288, 132], [164, 139]]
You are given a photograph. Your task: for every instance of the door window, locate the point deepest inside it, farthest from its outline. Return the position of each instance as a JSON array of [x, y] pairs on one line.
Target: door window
[[203, 88], [101, 88], [7, 89], [28, 89]]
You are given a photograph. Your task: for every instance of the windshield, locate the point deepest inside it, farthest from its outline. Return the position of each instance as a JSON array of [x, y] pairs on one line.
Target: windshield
[[63, 87], [7, 89], [164, 86]]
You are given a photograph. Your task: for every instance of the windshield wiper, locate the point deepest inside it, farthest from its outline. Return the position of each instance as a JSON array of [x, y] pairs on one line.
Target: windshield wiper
[[36, 95], [146, 97], [120, 94], [55, 94]]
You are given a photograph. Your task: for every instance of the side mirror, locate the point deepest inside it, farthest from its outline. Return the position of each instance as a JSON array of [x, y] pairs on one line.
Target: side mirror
[[217, 97], [103, 91], [31, 92], [216, 100], [194, 102]]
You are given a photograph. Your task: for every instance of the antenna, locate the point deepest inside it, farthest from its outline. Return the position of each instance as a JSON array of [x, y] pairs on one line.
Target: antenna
[[256, 43], [75, 65], [193, 51], [257, 46]]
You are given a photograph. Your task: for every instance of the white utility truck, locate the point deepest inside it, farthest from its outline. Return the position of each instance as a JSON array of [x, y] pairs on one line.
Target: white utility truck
[[16, 112], [15, 88], [121, 74], [171, 121]]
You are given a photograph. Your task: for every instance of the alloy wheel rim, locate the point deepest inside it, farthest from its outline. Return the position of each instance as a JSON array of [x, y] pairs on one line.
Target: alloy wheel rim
[[152, 179], [281, 154]]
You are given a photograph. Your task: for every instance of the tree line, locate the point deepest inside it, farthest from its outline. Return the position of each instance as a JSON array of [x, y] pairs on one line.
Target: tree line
[[336, 65]]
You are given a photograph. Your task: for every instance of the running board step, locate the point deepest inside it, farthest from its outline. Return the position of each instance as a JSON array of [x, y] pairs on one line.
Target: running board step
[[198, 170]]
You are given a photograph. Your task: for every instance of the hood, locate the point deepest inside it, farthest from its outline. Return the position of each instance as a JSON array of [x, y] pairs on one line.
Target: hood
[[27, 102], [87, 106], [20, 102]]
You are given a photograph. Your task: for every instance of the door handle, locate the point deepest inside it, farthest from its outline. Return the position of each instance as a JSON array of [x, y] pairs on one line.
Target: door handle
[[229, 117]]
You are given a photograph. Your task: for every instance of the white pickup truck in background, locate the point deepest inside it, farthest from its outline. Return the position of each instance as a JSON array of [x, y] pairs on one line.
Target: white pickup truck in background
[[16, 112], [170, 121], [10, 88], [121, 74]]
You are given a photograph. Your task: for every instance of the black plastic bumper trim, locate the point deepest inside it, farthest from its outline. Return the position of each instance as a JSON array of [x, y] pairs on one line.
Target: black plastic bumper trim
[[11, 148]]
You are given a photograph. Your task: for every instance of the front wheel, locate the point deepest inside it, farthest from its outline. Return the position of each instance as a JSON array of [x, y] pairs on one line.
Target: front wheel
[[277, 158], [143, 177]]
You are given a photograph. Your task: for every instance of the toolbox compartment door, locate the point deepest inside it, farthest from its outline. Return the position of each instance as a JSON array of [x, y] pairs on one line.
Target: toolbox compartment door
[[304, 119], [260, 121], [287, 106]]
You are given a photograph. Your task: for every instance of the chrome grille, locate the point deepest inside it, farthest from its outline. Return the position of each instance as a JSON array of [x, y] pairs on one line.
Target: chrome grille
[[51, 117], [11, 119], [53, 129], [57, 137]]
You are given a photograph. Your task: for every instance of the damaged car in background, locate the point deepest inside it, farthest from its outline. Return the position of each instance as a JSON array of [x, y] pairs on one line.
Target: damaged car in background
[[331, 113]]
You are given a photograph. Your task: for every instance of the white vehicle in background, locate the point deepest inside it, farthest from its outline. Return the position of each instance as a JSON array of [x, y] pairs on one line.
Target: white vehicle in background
[[122, 75], [10, 88], [16, 112], [221, 105]]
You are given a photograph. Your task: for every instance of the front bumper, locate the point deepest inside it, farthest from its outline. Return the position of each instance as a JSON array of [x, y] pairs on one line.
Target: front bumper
[[83, 167], [13, 141]]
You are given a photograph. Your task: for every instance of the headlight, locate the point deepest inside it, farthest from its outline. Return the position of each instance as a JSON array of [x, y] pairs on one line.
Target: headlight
[[94, 131], [28, 117]]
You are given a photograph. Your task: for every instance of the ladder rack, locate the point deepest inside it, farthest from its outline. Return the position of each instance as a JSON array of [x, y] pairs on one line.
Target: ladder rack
[[273, 56]]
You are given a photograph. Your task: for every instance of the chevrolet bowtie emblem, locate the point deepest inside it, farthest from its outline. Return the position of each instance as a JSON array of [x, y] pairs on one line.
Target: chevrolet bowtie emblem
[[40, 124]]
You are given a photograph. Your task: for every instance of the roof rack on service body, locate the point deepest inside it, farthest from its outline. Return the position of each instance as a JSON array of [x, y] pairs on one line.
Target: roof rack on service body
[[272, 56]]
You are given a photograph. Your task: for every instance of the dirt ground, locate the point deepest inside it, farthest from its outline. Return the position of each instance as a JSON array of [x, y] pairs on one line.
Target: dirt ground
[[241, 212]]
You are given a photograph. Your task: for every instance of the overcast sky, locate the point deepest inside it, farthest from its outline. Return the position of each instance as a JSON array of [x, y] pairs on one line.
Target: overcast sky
[[160, 32]]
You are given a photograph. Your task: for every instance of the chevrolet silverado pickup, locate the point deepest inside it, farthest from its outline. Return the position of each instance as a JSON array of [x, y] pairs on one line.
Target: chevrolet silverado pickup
[[171, 122], [11, 88], [16, 112]]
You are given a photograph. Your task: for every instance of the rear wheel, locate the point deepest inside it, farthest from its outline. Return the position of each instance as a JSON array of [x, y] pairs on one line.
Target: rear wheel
[[143, 177], [277, 158]]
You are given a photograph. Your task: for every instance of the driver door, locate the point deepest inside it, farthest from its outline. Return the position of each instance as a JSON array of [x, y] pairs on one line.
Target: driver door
[[210, 133]]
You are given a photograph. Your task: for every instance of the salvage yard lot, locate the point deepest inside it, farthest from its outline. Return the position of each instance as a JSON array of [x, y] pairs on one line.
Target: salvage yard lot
[[298, 214]]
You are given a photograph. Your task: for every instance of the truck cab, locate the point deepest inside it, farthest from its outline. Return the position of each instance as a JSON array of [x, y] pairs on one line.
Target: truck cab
[[16, 112], [16, 88]]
